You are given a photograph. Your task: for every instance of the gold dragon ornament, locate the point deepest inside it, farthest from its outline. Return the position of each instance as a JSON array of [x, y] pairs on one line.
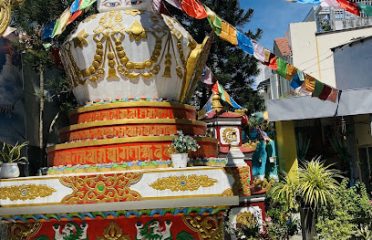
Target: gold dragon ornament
[[5, 13]]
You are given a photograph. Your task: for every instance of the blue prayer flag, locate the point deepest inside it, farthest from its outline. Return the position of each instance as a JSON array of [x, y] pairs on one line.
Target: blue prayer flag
[[74, 6], [308, 1], [245, 43], [47, 31], [296, 81]]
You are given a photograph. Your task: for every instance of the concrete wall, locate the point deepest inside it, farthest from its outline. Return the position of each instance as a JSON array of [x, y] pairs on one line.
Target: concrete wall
[[326, 41], [353, 63], [312, 52]]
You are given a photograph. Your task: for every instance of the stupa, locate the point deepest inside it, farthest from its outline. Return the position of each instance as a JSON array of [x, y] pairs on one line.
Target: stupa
[[131, 69]]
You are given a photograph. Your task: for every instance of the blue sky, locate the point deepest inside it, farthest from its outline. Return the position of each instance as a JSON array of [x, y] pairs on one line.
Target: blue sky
[[273, 17]]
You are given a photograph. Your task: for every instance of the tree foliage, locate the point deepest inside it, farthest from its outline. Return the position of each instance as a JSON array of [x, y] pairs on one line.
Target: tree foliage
[[233, 68]]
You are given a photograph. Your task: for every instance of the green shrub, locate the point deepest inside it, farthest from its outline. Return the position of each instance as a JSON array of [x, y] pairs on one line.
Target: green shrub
[[350, 215]]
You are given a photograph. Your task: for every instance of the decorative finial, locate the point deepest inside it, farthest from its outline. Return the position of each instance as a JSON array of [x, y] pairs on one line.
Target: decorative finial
[[216, 103]]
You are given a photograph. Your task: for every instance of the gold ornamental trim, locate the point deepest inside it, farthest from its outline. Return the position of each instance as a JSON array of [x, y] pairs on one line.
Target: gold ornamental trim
[[25, 192], [132, 121], [183, 183], [113, 232], [5, 15], [208, 228], [92, 143], [133, 105]]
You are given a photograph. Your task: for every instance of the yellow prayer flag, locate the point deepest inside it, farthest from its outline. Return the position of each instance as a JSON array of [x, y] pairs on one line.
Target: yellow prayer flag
[[309, 83], [228, 33], [62, 22]]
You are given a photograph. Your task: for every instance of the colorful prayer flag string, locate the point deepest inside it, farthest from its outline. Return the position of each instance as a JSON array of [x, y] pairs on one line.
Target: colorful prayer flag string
[[301, 82], [68, 16], [351, 7]]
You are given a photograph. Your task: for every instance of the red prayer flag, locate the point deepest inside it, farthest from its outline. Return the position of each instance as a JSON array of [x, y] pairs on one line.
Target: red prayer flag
[[349, 6], [215, 88], [271, 62], [194, 9], [324, 94], [74, 16], [333, 96]]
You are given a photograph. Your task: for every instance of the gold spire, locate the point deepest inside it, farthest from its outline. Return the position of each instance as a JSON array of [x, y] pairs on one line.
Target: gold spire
[[216, 103]]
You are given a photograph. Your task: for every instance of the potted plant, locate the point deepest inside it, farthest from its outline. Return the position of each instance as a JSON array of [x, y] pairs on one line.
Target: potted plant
[[10, 156], [180, 148]]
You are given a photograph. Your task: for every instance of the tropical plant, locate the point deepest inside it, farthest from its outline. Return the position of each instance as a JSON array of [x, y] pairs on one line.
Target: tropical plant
[[314, 188], [12, 153], [184, 144], [317, 183], [285, 191]]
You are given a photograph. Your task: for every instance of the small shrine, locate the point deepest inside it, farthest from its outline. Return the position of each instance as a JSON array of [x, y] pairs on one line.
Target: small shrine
[[227, 128], [132, 69]]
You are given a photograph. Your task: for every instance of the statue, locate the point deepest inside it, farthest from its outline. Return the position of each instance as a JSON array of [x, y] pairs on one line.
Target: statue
[[129, 50]]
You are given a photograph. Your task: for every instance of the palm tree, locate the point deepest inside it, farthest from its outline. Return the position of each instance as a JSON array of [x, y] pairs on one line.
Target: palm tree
[[313, 189]]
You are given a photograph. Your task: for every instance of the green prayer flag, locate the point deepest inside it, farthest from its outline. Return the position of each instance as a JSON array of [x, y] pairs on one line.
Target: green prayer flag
[[367, 9], [282, 67], [319, 86], [86, 3], [215, 21]]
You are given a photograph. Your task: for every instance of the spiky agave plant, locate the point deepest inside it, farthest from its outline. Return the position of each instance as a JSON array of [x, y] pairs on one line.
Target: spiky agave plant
[[285, 191], [317, 183], [12, 153]]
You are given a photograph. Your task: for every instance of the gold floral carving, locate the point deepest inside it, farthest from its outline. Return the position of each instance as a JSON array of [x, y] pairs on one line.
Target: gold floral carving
[[113, 232], [208, 228], [101, 188], [183, 183], [136, 31], [5, 15], [228, 193], [133, 12], [25, 192], [23, 231], [81, 39], [229, 135]]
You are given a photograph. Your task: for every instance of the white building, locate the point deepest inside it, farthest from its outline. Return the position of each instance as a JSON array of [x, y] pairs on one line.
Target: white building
[[340, 132]]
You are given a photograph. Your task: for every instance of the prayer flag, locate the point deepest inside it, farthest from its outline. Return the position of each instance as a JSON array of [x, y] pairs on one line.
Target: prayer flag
[[367, 9], [86, 3], [194, 9], [74, 16], [349, 6], [206, 108], [175, 3], [319, 86], [333, 96], [207, 76], [75, 6], [61, 23], [272, 62], [291, 71], [245, 43], [217, 88], [259, 51], [228, 33], [47, 31], [215, 21], [309, 83], [282, 67], [296, 82], [325, 93], [306, 1], [330, 3]]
